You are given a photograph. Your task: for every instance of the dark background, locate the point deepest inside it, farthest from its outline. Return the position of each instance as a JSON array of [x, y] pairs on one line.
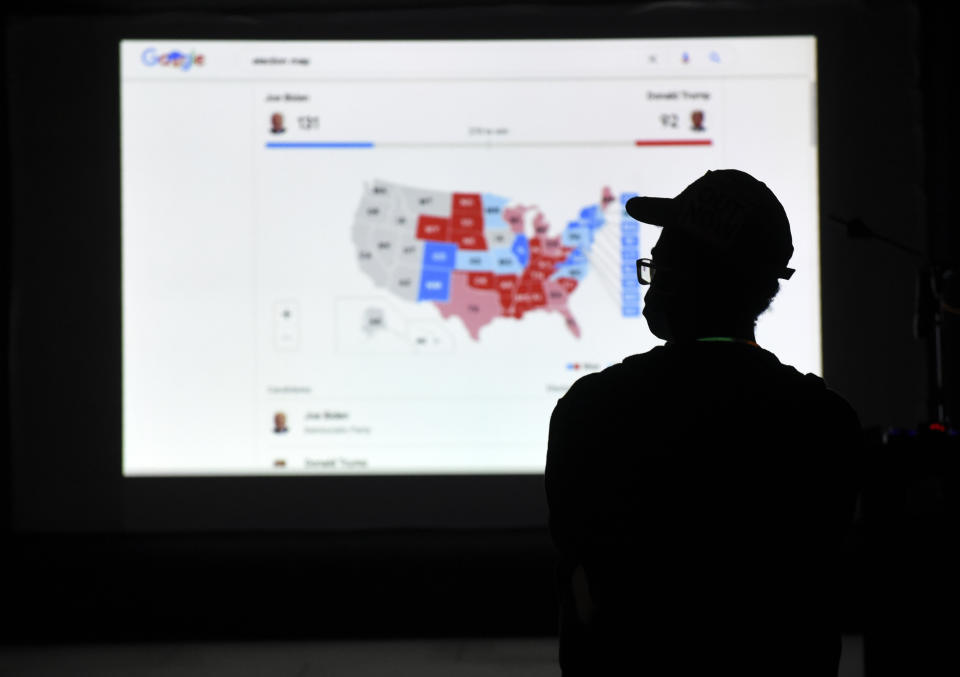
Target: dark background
[[93, 556]]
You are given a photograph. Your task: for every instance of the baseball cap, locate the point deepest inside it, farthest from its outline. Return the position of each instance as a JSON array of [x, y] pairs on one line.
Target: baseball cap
[[732, 214]]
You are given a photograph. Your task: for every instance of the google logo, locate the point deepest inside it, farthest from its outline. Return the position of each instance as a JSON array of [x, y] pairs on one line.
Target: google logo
[[175, 59]]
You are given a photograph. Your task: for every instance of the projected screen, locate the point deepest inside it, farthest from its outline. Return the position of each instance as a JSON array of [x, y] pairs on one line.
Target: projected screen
[[393, 257]]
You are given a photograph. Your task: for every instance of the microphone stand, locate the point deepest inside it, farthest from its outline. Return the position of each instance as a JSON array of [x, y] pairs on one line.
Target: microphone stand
[[907, 510], [932, 279]]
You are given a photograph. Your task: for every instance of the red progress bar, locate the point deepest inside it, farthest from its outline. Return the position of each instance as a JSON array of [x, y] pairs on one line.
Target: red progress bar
[[676, 142]]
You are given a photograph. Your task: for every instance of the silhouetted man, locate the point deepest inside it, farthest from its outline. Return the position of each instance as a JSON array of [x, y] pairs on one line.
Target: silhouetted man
[[699, 492]]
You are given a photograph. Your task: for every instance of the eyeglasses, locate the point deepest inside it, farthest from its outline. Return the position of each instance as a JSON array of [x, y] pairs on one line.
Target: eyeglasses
[[646, 269]]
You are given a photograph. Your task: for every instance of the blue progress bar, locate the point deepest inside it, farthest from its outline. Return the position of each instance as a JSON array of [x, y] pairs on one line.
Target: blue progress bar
[[319, 144]]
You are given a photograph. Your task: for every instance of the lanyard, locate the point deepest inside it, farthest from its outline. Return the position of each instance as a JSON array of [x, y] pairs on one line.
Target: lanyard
[[728, 339]]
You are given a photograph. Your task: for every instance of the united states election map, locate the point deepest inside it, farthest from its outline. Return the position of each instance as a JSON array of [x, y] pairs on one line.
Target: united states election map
[[476, 256]]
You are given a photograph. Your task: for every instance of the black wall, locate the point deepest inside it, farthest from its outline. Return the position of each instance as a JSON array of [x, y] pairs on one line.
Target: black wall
[[75, 574]]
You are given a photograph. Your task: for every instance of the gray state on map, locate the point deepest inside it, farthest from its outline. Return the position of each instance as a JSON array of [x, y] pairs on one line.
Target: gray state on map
[[374, 319], [499, 237], [381, 188], [367, 257], [385, 241], [432, 202], [403, 221], [405, 282], [397, 215], [374, 209], [410, 253], [362, 233], [373, 267]]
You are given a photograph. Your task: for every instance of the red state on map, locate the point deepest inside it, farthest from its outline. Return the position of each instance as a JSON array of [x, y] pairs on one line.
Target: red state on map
[[506, 286], [530, 283], [540, 224], [467, 204], [541, 268], [530, 293], [475, 307], [545, 255], [468, 239], [433, 228], [481, 280], [514, 216], [528, 300], [557, 293], [549, 247], [466, 221], [606, 197]]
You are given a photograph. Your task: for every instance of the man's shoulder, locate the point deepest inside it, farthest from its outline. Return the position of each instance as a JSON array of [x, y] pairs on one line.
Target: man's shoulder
[[667, 360], [819, 405], [815, 388], [686, 368], [615, 377]]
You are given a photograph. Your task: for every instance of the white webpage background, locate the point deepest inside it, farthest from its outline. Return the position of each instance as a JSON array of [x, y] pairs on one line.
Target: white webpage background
[[219, 231]]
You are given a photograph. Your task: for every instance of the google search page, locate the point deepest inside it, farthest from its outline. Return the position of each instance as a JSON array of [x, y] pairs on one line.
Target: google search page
[[393, 257]]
